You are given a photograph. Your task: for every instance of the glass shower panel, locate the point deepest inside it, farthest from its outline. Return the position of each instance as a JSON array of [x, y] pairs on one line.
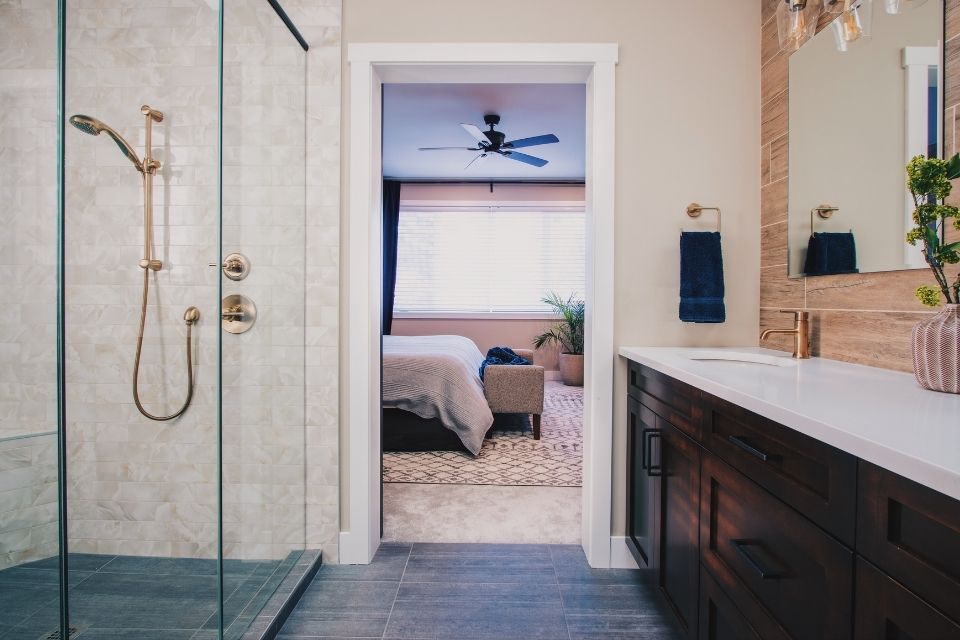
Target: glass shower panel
[[141, 224], [29, 557], [264, 162]]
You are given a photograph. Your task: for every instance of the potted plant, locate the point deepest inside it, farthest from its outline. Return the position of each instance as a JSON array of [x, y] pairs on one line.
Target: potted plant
[[936, 340], [568, 334]]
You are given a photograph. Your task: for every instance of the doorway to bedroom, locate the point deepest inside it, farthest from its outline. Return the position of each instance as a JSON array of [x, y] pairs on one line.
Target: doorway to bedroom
[[483, 294]]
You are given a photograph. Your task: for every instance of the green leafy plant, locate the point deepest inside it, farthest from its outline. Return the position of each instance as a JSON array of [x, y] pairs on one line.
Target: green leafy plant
[[568, 333], [929, 182]]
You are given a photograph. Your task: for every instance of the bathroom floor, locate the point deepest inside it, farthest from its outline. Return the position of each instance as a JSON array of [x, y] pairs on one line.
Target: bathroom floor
[[147, 598], [479, 592]]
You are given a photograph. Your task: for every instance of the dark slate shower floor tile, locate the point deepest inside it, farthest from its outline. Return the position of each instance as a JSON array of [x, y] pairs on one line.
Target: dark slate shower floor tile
[[142, 598]]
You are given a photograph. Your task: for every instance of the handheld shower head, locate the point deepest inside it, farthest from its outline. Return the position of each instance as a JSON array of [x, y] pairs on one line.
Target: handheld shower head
[[94, 127]]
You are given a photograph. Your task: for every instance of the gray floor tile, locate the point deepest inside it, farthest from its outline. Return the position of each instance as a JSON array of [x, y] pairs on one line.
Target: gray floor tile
[[480, 611], [609, 598], [623, 627], [572, 567], [345, 624], [473, 550], [480, 568], [334, 596], [387, 565]]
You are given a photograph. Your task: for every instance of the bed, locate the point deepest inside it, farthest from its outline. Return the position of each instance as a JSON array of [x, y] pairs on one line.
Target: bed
[[433, 398]]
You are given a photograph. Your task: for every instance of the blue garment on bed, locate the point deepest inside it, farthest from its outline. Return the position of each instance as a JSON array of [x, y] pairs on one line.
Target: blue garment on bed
[[501, 355], [701, 277]]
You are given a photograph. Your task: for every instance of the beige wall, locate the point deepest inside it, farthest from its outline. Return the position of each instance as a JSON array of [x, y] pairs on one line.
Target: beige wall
[[688, 95], [486, 333]]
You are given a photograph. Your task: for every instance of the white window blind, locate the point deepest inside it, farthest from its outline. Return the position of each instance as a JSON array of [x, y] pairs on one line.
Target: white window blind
[[487, 259]]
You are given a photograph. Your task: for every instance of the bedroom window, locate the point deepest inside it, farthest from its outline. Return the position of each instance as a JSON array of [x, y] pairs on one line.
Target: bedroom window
[[487, 259]]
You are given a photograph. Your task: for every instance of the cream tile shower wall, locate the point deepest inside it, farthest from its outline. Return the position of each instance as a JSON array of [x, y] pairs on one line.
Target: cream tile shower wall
[[28, 517], [263, 216], [138, 486], [144, 487]]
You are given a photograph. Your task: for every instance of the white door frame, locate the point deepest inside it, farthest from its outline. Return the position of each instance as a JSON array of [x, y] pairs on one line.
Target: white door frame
[[370, 66]]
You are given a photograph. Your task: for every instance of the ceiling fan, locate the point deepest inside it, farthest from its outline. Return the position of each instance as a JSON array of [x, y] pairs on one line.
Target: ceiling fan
[[493, 141]]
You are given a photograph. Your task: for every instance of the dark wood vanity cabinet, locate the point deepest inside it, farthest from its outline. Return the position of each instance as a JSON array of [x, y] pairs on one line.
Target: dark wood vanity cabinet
[[754, 530], [663, 507]]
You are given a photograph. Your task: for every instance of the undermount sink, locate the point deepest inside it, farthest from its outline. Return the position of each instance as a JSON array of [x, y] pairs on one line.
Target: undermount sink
[[742, 357]]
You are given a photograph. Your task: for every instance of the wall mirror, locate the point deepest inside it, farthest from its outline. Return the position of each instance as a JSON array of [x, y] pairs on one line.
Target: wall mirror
[[856, 117]]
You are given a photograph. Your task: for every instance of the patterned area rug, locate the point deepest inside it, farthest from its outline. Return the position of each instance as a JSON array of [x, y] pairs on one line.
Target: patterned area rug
[[512, 457]]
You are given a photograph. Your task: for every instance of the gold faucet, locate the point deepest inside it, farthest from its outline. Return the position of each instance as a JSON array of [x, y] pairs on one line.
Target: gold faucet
[[800, 332]]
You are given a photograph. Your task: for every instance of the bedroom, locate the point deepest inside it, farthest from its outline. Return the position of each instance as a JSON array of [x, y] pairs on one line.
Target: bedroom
[[473, 242]]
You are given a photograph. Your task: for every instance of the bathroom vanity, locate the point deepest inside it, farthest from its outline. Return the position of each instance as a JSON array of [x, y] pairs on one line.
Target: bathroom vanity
[[784, 499]]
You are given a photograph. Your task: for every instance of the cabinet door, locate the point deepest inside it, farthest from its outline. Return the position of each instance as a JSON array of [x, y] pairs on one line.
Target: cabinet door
[[679, 539], [801, 575], [913, 534], [885, 609], [643, 484]]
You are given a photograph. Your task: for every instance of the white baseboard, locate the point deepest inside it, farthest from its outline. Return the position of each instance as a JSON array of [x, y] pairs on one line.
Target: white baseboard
[[620, 556]]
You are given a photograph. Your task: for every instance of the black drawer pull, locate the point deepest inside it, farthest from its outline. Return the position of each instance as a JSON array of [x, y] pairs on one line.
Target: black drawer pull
[[744, 444], [764, 573], [647, 462]]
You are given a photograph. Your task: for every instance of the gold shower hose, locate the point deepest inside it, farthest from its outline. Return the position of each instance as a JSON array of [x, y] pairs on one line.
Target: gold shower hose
[[190, 316]]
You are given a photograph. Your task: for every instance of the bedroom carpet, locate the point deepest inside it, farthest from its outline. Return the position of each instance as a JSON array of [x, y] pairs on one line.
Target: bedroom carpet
[[512, 457], [480, 513]]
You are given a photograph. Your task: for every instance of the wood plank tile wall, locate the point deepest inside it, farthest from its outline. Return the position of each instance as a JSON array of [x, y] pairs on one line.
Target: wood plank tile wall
[[863, 318]]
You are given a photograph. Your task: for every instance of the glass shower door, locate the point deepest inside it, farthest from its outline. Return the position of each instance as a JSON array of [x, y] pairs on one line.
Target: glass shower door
[[263, 339], [29, 521]]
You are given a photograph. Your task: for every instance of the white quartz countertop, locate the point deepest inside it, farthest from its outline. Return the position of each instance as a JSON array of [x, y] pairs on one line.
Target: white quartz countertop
[[882, 416]]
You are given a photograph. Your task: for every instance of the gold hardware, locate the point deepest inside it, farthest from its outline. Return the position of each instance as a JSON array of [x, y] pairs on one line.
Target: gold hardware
[[147, 167], [238, 314], [825, 211], [235, 266], [694, 210], [800, 332]]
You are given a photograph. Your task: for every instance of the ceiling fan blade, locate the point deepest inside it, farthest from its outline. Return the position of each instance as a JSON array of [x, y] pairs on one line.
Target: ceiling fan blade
[[482, 155], [447, 149], [475, 133], [531, 142], [522, 157]]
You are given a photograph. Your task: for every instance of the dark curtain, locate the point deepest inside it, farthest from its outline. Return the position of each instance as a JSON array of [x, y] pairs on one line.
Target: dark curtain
[[391, 224]]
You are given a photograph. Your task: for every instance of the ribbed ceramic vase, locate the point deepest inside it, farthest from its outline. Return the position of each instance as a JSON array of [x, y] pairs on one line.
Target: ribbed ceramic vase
[[936, 351]]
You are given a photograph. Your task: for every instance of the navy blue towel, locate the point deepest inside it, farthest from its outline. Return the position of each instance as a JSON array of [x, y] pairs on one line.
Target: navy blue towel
[[501, 355], [829, 253], [701, 277]]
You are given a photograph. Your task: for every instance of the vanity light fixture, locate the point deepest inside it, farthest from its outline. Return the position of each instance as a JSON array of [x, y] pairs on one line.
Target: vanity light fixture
[[899, 6], [854, 23], [796, 22]]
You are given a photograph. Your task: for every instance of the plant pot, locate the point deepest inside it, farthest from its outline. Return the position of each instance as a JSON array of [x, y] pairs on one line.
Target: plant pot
[[571, 369], [936, 351]]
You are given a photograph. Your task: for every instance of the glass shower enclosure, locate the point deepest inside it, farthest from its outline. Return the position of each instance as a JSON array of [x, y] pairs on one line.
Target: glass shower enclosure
[[152, 214]]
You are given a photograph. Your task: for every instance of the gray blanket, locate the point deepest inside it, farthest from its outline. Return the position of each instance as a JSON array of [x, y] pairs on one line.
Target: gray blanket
[[436, 377]]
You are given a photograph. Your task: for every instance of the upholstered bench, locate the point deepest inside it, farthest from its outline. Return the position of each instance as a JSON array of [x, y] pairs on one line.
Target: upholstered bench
[[516, 389]]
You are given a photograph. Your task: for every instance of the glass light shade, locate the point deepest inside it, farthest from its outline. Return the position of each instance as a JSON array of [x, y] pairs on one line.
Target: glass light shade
[[797, 22], [853, 24], [899, 6]]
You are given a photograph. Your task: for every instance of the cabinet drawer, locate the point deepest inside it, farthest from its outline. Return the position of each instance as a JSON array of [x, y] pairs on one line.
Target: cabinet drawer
[[677, 402], [813, 477], [913, 534], [801, 575], [885, 609], [730, 612]]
